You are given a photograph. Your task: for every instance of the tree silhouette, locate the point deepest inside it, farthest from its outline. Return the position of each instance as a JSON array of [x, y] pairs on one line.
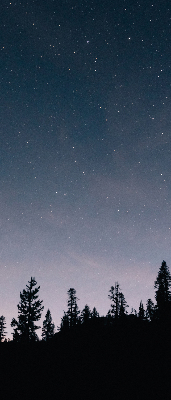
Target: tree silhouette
[[163, 294], [48, 327], [150, 310], [29, 311], [123, 305], [114, 297], [72, 307], [86, 314], [119, 304], [2, 328], [141, 314], [64, 326], [94, 314]]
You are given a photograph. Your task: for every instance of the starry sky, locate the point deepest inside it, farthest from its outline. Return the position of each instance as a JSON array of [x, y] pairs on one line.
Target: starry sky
[[85, 161]]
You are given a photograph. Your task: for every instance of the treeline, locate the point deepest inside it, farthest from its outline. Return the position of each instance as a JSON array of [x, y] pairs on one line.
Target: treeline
[[30, 310]]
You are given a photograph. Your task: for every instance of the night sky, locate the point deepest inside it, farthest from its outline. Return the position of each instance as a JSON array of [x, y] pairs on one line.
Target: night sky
[[85, 150]]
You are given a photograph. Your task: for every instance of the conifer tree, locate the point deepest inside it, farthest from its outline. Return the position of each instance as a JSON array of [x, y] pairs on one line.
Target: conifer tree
[[72, 307], [48, 327], [114, 297], [86, 314], [119, 304], [141, 311], [150, 310], [2, 328], [29, 311], [94, 313], [64, 326], [123, 305], [163, 293]]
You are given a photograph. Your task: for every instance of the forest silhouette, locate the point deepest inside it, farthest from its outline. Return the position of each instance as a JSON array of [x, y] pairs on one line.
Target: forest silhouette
[[119, 355]]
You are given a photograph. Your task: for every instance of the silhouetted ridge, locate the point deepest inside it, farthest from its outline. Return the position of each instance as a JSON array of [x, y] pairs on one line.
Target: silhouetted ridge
[[119, 355]]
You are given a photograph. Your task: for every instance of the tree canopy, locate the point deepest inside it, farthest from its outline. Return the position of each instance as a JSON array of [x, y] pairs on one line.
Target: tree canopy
[[48, 327], [163, 293], [29, 311], [2, 327]]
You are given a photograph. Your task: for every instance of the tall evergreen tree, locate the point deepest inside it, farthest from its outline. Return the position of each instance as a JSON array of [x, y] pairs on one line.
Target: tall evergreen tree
[[86, 314], [72, 307], [48, 327], [2, 328], [163, 293], [64, 326], [141, 314], [150, 310], [94, 313], [123, 305], [119, 304], [114, 297], [29, 311]]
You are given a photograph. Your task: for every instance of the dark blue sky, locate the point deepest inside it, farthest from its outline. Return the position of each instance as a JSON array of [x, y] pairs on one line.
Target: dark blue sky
[[85, 159]]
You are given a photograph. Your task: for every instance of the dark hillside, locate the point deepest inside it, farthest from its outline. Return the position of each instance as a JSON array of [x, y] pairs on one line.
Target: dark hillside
[[117, 362]]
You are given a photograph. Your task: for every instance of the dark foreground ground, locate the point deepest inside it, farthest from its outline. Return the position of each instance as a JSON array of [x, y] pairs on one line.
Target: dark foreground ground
[[123, 362]]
